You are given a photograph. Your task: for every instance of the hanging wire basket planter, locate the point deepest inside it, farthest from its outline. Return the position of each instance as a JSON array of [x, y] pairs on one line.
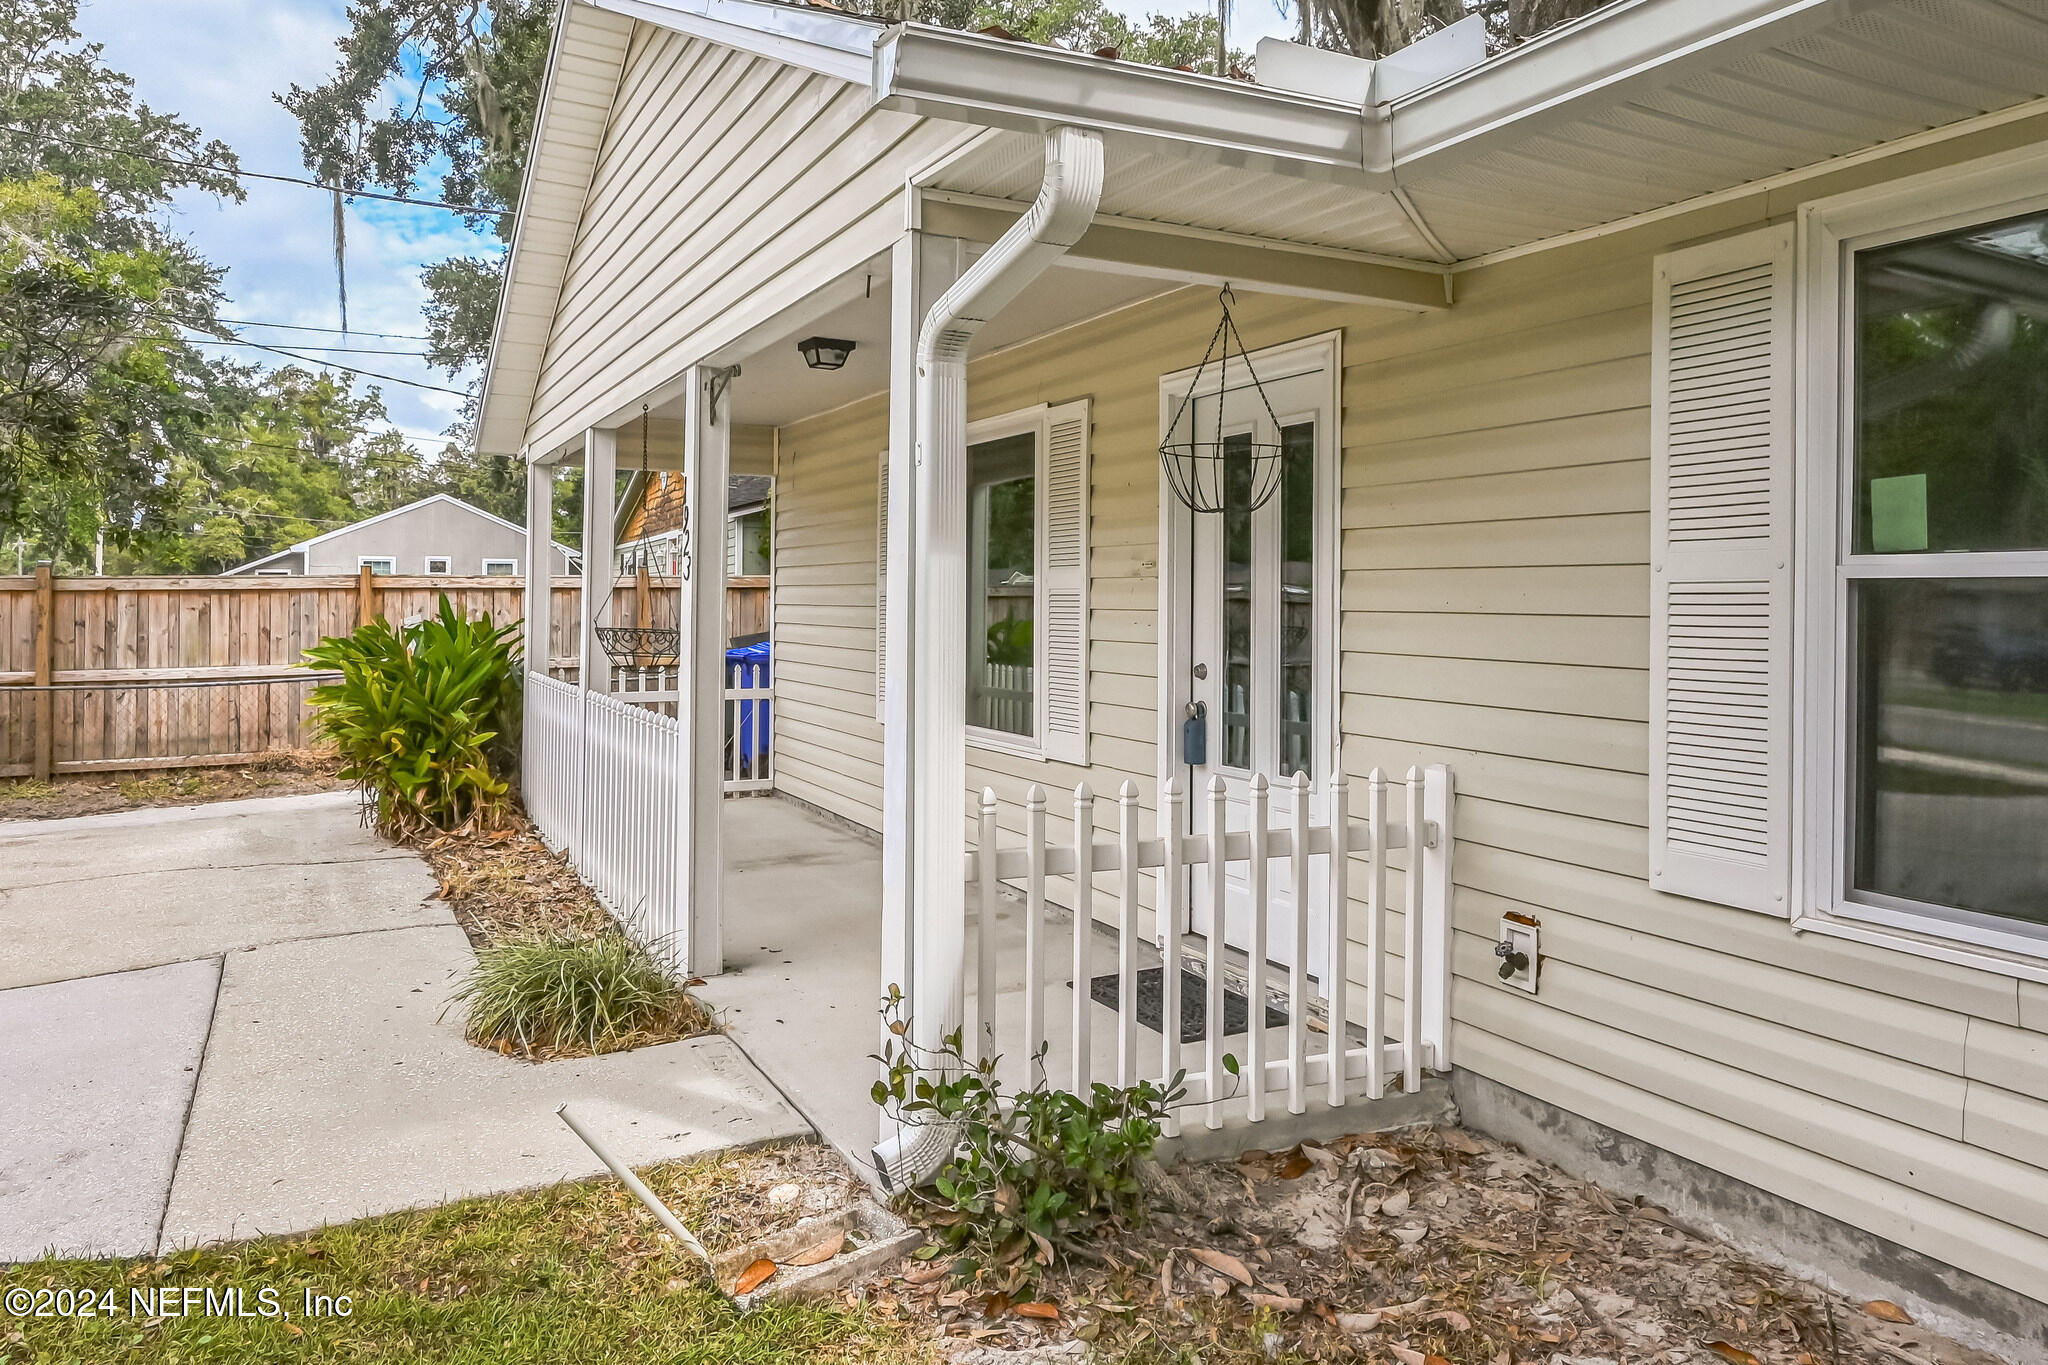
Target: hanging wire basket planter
[[654, 639], [1210, 470]]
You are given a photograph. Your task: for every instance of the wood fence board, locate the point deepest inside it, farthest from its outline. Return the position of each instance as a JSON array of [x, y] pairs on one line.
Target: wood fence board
[[128, 653]]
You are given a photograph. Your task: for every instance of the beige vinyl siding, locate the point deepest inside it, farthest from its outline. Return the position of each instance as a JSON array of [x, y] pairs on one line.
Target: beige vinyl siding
[[1496, 618], [1497, 597], [727, 187]]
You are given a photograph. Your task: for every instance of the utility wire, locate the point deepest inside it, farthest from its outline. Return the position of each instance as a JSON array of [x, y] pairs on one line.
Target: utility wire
[[351, 369], [302, 327], [257, 175]]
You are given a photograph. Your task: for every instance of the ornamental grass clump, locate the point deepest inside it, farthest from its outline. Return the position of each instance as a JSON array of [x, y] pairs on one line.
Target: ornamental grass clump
[[418, 715], [547, 996]]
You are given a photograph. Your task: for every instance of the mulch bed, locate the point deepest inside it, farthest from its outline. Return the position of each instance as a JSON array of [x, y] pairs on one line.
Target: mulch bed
[[288, 772], [1424, 1247], [507, 883]]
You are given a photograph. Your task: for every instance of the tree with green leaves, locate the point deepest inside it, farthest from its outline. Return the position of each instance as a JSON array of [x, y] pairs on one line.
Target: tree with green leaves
[[474, 70], [100, 395]]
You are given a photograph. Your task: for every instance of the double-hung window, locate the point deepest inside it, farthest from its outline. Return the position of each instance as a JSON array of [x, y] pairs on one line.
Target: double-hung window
[[1026, 539], [1928, 554], [1002, 585], [1849, 567]]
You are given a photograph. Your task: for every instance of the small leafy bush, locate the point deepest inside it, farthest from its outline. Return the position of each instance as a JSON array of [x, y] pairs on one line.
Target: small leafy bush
[[1038, 1171], [546, 996], [415, 716]]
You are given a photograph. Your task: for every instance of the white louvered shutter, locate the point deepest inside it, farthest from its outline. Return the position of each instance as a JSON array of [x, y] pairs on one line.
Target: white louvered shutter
[[1721, 583], [1063, 473], [882, 588]]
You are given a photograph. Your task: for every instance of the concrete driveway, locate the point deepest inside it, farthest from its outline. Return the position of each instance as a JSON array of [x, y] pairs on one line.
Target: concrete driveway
[[217, 1021]]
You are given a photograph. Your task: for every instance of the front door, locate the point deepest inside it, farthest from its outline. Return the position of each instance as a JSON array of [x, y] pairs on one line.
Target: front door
[[1252, 635]]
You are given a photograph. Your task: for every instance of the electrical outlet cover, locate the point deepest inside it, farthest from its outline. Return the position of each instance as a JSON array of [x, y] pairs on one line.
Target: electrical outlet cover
[[1524, 939]]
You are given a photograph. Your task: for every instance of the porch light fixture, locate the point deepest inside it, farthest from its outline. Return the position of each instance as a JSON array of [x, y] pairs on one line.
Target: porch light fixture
[[825, 353], [1200, 471]]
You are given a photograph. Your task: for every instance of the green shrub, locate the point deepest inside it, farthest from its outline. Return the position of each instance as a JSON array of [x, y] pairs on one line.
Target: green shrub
[[415, 716], [1036, 1171], [549, 996]]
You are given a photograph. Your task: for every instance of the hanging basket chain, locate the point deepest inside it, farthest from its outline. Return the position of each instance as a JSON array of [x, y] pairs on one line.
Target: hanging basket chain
[[657, 644], [1199, 471]]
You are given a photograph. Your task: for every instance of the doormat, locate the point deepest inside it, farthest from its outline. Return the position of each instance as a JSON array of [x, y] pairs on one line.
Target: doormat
[[1194, 1005]]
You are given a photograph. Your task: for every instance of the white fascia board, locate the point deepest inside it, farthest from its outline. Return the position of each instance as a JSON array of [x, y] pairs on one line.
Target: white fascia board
[[1610, 54], [493, 417], [819, 40], [995, 82]]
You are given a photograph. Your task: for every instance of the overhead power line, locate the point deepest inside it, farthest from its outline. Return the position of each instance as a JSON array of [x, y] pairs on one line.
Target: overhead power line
[[351, 369], [467, 210], [304, 327]]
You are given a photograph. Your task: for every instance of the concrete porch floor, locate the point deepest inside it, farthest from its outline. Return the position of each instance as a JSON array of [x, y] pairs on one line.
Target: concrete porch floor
[[801, 992]]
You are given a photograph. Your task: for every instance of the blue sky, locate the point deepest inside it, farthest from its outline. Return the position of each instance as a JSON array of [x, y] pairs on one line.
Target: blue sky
[[217, 64]]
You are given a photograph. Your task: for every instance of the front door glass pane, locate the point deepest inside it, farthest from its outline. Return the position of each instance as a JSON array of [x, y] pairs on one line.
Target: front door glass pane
[[1951, 743], [1297, 499], [1237, 602]]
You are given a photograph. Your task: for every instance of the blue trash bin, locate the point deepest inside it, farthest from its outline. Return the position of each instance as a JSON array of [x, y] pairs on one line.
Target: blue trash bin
[[748, 735]]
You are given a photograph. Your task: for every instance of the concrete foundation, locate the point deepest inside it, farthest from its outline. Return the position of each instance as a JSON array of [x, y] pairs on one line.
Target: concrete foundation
[[1772, 1229]]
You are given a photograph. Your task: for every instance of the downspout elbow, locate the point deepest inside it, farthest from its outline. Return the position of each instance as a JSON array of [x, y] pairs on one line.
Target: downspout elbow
[[1067, 199]]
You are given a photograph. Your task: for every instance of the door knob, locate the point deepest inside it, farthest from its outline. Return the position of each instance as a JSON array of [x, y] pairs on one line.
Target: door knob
[[1202, 671]]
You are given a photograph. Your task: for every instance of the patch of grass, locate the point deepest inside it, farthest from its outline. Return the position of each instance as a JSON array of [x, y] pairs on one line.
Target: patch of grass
[[164, 786], [574, 1272], [26, 789], [547, 996]]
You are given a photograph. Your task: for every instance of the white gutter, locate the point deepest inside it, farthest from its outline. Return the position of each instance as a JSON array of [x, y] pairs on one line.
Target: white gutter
[[1614, 53], [821, 40], [996, 82], [1068, 196]]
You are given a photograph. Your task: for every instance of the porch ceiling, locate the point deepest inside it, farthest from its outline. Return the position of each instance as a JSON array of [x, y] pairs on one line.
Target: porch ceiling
[[776, 387]]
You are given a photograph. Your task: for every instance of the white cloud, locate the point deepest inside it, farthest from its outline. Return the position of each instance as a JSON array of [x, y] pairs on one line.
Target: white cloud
[[218, 64]]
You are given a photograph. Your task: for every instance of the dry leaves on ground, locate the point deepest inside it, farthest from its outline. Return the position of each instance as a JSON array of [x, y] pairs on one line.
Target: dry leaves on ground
[[507, 883], [1422, 1246]]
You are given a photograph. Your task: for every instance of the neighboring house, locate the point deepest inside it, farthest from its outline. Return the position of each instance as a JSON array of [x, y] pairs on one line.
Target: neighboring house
[[1659, 406], [648, 527], [436, 535]]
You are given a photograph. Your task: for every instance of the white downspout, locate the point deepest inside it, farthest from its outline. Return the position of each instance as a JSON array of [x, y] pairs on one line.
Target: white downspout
[[1066, 204]]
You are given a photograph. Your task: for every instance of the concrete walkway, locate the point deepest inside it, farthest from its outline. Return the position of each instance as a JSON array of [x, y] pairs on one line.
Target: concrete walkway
[[222, 1020]]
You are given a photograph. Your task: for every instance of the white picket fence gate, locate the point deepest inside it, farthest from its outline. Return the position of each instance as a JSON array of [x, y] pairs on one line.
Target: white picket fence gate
[[1331, 854]]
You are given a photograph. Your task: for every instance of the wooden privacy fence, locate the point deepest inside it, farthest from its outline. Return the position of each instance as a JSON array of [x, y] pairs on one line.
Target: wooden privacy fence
[[1286, 863], [131, 673]]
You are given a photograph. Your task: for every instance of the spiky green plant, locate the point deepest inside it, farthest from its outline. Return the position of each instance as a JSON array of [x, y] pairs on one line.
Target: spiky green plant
[[543, 995], [415, 714]]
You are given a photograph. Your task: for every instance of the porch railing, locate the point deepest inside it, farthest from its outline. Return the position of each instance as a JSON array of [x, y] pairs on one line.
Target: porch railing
[[600, 776], [749, 737], [1292, 854]]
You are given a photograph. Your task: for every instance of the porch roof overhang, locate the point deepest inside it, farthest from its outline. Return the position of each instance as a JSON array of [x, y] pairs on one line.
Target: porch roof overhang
[[1640, 106]]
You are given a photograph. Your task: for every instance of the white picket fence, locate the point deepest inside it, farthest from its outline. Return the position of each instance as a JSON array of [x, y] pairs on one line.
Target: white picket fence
[[600, 777], [1330, 855]]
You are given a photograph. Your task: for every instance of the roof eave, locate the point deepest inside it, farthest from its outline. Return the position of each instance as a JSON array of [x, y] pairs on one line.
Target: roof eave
[[1001, 83], [1613, 52]]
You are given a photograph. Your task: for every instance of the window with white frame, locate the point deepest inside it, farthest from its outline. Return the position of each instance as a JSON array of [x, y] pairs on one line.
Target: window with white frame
[[377, 564], [1936, 628], [438, 565], [501, 568], [1027, 582], [1849, 566], [1002, 583]]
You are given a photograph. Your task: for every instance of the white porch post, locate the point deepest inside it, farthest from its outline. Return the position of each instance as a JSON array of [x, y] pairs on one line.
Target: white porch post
[[540, 565], [1065, 206], [593, 670], [700, 666], [921, 268]]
